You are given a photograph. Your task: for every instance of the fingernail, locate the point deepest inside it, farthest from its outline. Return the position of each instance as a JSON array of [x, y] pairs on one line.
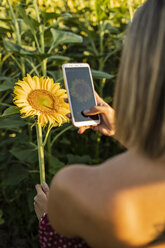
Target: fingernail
[[86, 111], [45, 185]]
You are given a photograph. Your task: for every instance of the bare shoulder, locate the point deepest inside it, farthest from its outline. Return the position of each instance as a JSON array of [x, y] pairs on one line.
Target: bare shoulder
[[71, 174], [65, 203], [82, 194], [88, 192], [74, 180]]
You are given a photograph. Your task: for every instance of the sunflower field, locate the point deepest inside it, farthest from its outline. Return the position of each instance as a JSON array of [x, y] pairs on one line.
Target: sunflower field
[[36, 38]]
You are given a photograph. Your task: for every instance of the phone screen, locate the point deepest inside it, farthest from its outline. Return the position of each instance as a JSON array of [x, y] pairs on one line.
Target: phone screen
[[81, 92]]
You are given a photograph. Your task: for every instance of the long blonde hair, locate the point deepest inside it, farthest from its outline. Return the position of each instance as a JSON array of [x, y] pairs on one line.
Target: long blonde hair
[[139, 98]]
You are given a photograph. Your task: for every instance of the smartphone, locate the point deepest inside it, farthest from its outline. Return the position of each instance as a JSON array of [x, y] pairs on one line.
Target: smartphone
[[80, 88]]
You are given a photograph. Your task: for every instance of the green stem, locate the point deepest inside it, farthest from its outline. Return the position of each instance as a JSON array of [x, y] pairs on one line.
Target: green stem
[[23, 67], [15, 23], [18, 36], [44, 67], [49, 149], [60, 133], [101, 84], [30, 133], [36, 41], [41, 31], [15, 60], [33, 66], [90, 37], [40, 153], [101, 37], [47, 134], [5, 104], [4, 95]]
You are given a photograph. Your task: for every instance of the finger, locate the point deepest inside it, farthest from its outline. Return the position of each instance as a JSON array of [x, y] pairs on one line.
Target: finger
[[104, 130], [69, 115], [45, 188], [38, 188], [83, 129], [99, 100], [37, 211], [66, 100]]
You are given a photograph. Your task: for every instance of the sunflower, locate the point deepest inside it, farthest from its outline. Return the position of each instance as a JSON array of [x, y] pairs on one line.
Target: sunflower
[[43, 98]]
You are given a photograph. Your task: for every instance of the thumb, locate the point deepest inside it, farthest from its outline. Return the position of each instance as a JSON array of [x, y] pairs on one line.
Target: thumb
[[95, 110]]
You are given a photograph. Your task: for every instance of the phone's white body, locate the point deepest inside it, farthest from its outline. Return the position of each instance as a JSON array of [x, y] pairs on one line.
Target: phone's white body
[[74, 66]]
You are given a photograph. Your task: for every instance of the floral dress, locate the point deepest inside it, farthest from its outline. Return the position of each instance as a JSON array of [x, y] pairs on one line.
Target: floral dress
[[51, 239]]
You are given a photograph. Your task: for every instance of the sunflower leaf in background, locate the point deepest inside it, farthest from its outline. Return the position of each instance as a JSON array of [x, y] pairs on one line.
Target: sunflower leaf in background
[[101, 75], [1, 217], [6, 85], [31, 23], [64, 37], [10, 111], [12, 123], [13, 177], [24, 153]]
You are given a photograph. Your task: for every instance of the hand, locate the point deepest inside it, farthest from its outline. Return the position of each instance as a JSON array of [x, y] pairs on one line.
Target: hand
[[40, 200], [107, 116]]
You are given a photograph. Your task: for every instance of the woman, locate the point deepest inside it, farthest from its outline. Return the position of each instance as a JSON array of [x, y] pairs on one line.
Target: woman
[[121, 203]]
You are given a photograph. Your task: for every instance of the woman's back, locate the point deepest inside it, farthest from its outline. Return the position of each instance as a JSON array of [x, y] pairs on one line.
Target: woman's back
[[122, 200], [138, 186]]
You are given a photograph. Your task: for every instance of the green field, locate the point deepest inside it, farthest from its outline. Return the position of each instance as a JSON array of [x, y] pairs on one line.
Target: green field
[[37, 38]]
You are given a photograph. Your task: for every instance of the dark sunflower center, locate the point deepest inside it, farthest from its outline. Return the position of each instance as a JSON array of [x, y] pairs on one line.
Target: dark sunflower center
[[43, 101]]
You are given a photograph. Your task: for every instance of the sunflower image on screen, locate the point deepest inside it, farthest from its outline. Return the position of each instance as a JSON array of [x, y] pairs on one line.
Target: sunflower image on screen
[[81, 90]]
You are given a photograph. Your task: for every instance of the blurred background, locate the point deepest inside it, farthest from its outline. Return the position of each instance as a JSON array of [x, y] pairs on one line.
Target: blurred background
[[37, 37]]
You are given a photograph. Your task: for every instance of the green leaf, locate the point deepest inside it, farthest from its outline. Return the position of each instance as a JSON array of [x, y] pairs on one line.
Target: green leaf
[[5, 19], [58, 57], [4, 156], [100, 74], [10, 111], [1, 217], [52, 15], [55, 165], [49, 15], [16, 49], [109, 27], [4, 30], [64, 37], [2, 78], [6, 85], [30, 22], [23, 154], [16, 174], [30, 199], [10, 46], [12, 123], [13, 47], [74, 159]]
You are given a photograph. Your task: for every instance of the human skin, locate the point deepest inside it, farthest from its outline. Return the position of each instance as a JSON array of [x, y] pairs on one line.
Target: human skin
[[117, 204]]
